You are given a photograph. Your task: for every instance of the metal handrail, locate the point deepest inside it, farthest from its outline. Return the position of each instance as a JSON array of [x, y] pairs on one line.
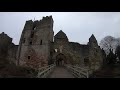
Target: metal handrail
[[78, 71], [44, 71]]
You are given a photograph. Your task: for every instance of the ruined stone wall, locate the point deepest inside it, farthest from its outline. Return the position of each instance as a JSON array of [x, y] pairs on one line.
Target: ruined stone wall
[[38, 56], [84, 55], [95, 57], [95, 54], [87, 56], [75, 50], [52, 52], [7, 49], [5, 42], [12, 51], [80, 52]]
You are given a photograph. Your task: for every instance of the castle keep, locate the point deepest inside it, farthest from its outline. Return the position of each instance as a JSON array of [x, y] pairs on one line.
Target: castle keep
[[39, 47]]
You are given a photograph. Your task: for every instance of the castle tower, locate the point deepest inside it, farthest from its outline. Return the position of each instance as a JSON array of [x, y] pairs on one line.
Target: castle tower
[[93, 41], [60, 37], [34, 45], [61, 45], [95, 53]]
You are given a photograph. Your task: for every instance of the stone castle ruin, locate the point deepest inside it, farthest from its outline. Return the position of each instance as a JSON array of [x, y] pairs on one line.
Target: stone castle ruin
[[39, 47]]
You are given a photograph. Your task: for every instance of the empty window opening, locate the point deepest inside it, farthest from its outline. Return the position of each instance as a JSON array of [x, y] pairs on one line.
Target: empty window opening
[[34, 28], [32, 34], [55, 50], [28, 57], [31, 43], [24, 40], [41, 42]]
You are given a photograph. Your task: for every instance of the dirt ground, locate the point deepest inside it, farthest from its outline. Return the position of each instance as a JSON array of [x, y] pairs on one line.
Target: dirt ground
[[12, 71], [109, 71]]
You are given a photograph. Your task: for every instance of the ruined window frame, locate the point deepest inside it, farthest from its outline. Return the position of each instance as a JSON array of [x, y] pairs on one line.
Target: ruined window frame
[[24, 40], [30, 43], [29, 57], [41, 42], [32, 34], [86, 61], [34, 27]]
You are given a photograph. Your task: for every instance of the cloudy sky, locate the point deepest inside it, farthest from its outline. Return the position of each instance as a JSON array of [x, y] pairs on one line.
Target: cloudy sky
[[78, 26]]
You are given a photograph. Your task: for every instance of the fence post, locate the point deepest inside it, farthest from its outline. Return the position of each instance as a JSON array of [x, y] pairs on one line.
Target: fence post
[[87, 73], [45, 71]]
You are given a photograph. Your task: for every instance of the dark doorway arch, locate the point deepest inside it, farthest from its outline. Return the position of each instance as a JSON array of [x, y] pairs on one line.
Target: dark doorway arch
[[60, 60]]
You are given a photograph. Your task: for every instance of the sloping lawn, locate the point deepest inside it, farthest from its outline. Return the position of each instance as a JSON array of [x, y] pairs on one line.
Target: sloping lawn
[[109, 71], [12, 71]]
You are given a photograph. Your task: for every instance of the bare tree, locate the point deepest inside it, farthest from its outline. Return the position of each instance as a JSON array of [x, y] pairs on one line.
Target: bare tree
[[107, 43]]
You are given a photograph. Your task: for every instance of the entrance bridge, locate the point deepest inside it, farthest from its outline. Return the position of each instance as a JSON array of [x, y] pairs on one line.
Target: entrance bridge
[[66, 71]]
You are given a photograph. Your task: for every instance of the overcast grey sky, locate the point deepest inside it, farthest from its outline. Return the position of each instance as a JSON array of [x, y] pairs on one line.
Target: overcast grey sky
[[78, 26]]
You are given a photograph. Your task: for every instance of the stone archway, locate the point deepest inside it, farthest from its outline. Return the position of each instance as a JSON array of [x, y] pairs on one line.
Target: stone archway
[[60, 60]]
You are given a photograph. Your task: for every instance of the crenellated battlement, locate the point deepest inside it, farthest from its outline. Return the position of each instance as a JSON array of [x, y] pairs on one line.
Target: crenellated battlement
[[45, 21], [28, 25]]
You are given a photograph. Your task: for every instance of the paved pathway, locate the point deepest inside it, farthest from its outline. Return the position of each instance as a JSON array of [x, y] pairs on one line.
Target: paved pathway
[[60, 72]]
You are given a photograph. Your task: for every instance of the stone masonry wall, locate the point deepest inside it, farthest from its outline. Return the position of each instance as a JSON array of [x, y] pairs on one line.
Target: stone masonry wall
[[34, 50]]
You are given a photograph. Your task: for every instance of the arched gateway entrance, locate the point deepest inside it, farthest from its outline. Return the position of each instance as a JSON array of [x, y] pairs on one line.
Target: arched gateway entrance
[[60, 60]]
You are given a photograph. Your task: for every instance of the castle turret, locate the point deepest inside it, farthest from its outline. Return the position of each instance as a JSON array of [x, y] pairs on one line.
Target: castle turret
[[93, 41], [95, 53], [60, 40], [60, 36]]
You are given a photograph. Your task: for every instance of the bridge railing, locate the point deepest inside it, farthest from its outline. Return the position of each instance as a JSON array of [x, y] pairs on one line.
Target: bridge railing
[[44, 71], [78, 71]]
